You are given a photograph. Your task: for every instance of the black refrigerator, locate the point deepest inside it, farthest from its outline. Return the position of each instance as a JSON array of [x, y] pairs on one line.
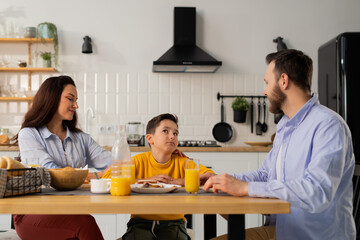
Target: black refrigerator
[[339, 81]]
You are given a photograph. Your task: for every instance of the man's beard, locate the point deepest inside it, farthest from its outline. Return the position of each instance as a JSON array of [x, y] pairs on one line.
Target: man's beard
[[276, 100]]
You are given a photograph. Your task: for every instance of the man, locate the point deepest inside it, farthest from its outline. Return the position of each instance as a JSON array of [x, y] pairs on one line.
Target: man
[[311, 163]]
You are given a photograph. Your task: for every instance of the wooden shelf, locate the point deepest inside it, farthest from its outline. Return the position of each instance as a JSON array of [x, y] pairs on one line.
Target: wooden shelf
[[16, 99], [26, 40], [26, 69]]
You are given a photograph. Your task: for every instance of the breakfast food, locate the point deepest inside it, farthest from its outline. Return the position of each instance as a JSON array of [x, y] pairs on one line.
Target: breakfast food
[[4, 139], [9, 163], [151, 185], [68, 169], [146, 181]]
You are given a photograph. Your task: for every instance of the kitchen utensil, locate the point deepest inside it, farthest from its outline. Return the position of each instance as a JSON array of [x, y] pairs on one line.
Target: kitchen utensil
[[222, 131], [258, 124], [277, 117], [264, 126], [134, 133], [252, 115], [97, 177]]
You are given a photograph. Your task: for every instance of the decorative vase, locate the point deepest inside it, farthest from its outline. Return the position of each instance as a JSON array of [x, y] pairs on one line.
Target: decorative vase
[[46, 63], [44, 31], [240, 116]]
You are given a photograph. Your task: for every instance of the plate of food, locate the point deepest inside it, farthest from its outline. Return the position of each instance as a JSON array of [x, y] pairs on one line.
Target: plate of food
[[153, 187], [262, 144]]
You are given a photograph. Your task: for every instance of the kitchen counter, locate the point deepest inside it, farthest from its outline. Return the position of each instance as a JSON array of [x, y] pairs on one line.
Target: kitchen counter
[[183, 149], [207, 149]]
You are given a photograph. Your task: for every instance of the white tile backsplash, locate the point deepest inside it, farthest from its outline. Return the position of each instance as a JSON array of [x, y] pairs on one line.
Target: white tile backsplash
[[118, 98]]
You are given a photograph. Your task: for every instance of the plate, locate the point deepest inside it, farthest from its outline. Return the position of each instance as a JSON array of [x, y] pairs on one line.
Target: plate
[[166, 189], [263, 144]]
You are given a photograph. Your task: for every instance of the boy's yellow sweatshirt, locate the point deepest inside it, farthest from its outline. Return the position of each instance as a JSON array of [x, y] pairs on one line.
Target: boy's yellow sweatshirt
[[146, 166]]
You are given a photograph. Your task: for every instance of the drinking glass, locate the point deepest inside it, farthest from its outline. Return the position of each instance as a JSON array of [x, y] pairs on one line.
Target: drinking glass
[[192, 175], [31, 161], [132, 171], [120, 178]]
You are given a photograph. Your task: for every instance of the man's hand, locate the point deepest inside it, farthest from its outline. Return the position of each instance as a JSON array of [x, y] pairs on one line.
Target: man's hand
[[228, 184], [204, 177]]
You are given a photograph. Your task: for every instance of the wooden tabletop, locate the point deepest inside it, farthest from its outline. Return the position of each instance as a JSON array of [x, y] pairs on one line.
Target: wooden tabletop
[[141, 204]]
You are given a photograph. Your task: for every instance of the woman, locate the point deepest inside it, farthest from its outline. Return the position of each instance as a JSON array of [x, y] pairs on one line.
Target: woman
[[49, 137]]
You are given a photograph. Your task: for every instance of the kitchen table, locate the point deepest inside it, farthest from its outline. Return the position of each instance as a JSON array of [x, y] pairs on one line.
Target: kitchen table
[[149, 204]]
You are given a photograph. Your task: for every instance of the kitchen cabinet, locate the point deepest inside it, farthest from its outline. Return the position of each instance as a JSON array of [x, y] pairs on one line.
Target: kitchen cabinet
[[28, 70]]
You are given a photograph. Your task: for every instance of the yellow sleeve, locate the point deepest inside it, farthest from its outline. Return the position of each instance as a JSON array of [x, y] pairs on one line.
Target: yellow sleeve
[[203, 169], [107, 174]]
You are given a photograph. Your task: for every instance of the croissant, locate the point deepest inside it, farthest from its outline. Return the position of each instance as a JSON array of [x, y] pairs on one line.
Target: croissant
[[9, 163]]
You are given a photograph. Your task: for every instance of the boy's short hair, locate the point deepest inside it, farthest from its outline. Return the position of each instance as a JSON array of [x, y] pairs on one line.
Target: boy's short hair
[[155, 122]]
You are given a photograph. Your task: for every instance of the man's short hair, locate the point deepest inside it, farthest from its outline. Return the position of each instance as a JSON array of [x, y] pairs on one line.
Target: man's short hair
[[295, 64], [155, 122]]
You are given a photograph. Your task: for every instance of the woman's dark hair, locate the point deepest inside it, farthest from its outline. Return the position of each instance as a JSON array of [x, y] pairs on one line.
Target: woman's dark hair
[[295, 64], [46, 102], [155, 122]]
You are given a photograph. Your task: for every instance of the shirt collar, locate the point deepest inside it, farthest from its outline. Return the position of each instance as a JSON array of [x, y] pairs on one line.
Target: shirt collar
[[45, 132], [301, 114]]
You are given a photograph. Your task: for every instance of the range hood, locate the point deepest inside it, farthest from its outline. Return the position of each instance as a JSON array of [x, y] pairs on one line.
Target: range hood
[[185, 56]]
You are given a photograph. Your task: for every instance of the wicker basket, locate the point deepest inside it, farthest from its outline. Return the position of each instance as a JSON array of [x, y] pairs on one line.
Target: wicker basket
[[17, 182]]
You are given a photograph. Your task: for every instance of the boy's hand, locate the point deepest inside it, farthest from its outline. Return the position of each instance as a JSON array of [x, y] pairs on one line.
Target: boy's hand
[[161, 178], [178, 181], [204, 177], [178, 152]]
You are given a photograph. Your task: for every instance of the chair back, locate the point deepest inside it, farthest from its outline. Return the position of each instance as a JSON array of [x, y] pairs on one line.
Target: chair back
[[356, 202]]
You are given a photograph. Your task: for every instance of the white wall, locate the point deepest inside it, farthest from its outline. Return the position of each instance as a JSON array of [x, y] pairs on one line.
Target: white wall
[[129, 35]]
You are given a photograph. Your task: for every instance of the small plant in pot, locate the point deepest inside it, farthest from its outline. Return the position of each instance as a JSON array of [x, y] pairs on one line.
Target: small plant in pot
[[46, 56], [49, 30], [240, 106]]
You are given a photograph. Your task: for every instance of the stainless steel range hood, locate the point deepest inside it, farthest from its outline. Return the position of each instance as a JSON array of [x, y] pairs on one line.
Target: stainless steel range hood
[[185, 56]]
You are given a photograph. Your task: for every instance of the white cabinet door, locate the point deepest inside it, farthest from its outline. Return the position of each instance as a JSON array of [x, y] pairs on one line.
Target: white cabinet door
[[107, 225], [5, 222], [121, 224]]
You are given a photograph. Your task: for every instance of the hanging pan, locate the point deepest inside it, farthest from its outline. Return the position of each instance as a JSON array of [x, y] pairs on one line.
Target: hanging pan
[[222, 131]]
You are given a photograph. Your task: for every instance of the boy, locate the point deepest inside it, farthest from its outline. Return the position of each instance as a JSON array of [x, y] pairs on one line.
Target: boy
[[162, 165]]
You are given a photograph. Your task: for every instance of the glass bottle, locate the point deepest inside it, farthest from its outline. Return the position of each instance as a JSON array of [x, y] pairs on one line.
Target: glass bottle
[[120, 164]]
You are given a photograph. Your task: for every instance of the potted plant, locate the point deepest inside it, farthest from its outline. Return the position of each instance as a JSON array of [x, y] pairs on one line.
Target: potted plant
[[49, 30], [240, 107], [46, 56]]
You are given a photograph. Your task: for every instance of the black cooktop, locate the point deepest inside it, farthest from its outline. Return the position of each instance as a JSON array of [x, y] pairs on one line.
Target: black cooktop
[[197, 143]]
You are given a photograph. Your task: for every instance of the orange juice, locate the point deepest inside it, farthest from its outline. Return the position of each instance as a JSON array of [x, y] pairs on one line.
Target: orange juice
[[120, 186], [192, 180], [132, 174]]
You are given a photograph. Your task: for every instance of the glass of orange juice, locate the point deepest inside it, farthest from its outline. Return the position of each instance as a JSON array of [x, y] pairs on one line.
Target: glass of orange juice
[[132, 171], [31, 162], [120, 178], [192, 179]]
